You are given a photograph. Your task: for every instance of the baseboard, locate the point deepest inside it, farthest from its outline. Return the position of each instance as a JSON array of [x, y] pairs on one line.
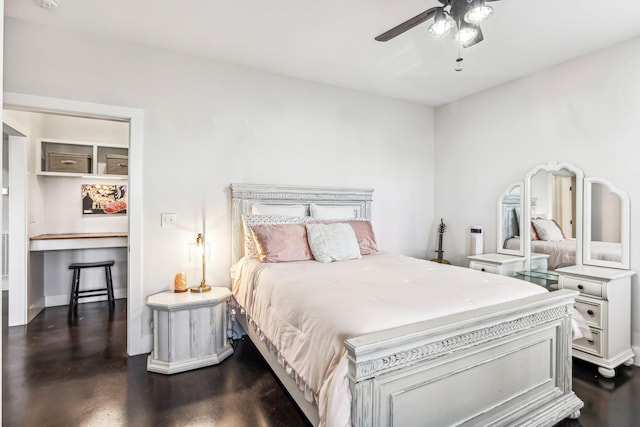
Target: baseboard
[[57, 300], [636, 360]]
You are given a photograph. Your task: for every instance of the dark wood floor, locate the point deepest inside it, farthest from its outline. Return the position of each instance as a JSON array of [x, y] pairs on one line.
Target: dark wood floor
[[57, 373]]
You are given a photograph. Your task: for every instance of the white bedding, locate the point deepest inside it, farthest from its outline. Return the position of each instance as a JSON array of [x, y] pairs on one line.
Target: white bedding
[[309, 308], [564, 251]]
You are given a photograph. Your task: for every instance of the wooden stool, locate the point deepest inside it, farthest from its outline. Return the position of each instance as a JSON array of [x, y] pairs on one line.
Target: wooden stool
[[76, 293]]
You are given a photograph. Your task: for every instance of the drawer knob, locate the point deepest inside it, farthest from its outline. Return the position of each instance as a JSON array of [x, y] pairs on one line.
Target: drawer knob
[[580, 287], [482, 269], [590, 342], [590, 313]]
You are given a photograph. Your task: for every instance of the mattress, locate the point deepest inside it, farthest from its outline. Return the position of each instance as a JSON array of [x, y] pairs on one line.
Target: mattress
[[305, 310]]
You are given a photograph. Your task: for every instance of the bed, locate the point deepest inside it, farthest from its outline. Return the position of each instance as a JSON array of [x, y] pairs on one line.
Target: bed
[[491, 360]]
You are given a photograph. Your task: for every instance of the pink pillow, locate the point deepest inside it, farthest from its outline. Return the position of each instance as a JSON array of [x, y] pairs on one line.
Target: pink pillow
[[281, 242], [534, 234], [365, 236]]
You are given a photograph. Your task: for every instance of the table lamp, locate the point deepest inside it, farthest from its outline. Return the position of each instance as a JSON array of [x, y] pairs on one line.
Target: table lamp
[[200, 249]]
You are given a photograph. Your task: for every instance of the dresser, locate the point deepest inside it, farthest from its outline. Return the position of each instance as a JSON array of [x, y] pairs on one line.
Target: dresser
[[506, 265], [605, 303]]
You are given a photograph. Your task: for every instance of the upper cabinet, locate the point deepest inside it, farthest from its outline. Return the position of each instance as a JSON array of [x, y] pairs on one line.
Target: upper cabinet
[[558, 212], [71, 158]]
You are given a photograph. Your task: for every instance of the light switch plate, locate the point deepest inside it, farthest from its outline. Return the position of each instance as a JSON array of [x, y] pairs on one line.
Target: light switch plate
[[168, 220]]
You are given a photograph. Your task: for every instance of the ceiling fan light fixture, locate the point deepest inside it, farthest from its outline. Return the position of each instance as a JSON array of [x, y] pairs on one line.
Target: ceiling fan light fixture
[[478, 12], [441, 24]]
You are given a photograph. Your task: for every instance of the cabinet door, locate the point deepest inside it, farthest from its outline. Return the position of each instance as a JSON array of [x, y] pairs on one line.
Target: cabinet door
[[180, 339], [203, 332]]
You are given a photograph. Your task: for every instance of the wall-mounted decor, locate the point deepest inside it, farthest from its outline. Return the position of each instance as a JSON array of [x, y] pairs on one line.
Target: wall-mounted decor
[[104, 199]]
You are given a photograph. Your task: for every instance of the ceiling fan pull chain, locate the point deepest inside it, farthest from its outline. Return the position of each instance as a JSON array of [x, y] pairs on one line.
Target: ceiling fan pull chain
[[460, 59]]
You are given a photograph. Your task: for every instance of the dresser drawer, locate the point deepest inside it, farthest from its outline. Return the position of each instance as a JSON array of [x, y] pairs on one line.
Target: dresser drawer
[[584, 286], [593, 346], [592, 311], [481, 266]]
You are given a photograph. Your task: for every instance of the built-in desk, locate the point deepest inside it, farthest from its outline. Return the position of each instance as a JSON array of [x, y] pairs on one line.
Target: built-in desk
[[66, 241], [51, 254]]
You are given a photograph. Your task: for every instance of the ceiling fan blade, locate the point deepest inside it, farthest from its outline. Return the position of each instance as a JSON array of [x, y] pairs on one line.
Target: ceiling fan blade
[[407, 25], [476, 40]]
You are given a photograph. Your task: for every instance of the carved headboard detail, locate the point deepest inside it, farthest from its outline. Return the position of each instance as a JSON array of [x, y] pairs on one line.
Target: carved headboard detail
[[243, 196]]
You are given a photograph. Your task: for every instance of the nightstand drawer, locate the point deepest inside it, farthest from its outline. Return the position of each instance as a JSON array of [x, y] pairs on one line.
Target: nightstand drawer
[[591, 311], [584, 286], [481, 266], [593, 346]]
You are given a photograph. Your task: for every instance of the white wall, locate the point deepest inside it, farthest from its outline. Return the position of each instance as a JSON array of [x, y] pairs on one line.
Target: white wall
[[584, 111], [208, 124]]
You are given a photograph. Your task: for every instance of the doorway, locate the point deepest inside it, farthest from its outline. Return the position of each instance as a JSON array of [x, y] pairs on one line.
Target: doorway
[[58, 143], [565, 203], [136, 343]]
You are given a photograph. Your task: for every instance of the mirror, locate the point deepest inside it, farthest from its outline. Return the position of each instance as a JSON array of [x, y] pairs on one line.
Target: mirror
[[509, 224], [544, 216], [553, 206], [606, 224]]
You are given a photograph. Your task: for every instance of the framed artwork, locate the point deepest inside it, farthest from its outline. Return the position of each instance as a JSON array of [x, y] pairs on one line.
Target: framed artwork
[[104, 199]]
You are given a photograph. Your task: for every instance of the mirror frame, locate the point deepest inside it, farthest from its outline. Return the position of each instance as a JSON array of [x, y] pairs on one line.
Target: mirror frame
[[624, 263], [500, 237], [552, 166]]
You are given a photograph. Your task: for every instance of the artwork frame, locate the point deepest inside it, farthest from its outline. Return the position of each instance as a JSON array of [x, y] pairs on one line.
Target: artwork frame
[[104, 199]]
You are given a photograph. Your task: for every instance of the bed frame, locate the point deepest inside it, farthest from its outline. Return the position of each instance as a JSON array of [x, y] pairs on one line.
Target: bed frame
[[508, 364]]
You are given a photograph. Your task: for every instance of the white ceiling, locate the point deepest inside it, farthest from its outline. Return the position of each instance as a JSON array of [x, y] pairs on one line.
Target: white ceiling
[[332, 41]]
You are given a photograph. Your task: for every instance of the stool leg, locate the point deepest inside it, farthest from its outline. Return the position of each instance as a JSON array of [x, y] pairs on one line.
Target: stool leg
[[112, 300], [73, 299], [76, 295]]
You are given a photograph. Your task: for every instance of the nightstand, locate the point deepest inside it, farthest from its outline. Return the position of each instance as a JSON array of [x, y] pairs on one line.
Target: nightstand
[[506, 265], [189, 330]]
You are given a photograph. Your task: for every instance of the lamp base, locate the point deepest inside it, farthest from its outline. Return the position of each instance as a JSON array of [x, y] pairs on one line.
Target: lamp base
[[200, 289]]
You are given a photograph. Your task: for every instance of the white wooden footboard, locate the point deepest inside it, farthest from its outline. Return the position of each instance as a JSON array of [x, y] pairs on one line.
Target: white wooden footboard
[[503, 365]]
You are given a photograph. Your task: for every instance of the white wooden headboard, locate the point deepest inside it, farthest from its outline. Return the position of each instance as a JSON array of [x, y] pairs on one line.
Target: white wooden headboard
[[243, 196]]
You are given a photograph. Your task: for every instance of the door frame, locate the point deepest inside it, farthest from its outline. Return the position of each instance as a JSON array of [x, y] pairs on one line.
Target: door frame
[[137, 343], [18, 311]]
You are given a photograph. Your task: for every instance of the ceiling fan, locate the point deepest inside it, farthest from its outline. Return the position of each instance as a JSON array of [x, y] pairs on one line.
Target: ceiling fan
[[465, 15]]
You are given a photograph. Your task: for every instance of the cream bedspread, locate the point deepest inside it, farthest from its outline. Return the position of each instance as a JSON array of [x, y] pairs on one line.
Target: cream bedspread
[[305, 310]]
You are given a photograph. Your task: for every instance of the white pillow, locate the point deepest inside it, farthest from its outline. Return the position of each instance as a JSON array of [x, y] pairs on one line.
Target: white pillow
[[332, 242], [333, 212], [547, 230], [248, 221], [287, 210]]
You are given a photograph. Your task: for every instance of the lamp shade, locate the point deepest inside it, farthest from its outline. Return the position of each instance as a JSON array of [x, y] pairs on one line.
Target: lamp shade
[[478, 12], [441, 24], [467, 33]]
